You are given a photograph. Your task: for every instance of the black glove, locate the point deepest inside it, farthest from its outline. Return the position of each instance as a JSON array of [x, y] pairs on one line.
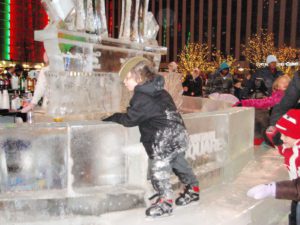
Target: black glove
[[107, 119], [238, 104], [276, 139], [274, 136]]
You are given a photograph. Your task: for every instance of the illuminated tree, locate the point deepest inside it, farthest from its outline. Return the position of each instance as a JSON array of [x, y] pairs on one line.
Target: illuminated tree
[[286, 55], [259, 47], [219, 58], [194, 55]]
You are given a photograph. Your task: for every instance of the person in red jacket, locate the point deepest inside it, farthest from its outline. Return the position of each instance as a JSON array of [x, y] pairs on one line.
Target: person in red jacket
[[279, 87], [286, 137], [288, 129]]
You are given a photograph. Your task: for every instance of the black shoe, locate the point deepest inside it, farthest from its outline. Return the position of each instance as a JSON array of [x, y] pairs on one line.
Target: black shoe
[[189, 195], [159, 208]]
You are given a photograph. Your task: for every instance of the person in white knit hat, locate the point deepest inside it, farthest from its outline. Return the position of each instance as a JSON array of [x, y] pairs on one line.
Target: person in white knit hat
[[268, 74]]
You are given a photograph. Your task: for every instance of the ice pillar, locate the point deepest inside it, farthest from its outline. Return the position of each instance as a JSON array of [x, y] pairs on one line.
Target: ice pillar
[[133, 22]]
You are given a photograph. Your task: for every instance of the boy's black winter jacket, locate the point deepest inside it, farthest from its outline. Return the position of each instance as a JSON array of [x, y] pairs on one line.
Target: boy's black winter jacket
[[153, 110]]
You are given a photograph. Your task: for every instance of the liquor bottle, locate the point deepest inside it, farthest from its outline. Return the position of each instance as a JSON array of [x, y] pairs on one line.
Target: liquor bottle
[[14, 80], [30, 84], [23, 85], [1, 83], [6, 83]]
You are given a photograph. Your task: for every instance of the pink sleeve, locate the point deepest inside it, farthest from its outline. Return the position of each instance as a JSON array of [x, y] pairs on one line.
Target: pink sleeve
[[264, 102]]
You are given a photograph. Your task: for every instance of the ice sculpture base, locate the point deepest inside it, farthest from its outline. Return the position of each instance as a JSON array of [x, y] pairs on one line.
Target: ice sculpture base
[[224, 204], [44, 205], [94, 162]]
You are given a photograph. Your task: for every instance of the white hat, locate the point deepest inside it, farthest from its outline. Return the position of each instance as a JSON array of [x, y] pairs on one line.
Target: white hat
[[271, 58], [130, 64]]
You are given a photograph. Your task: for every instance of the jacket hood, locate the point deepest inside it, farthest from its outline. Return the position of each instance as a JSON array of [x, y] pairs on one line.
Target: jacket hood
[[152, 87]]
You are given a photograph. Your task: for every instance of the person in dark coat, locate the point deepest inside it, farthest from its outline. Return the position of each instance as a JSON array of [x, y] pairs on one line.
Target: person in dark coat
[[267, 75], [163, 134], [220, 82], [290, 99], [247, 86], [192, 84]]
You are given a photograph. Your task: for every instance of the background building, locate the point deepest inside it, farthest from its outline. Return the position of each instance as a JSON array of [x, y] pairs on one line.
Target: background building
[[222, 24]]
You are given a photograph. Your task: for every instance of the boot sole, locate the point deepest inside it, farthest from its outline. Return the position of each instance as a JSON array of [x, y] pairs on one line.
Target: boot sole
[[164, 216], [195, 202]]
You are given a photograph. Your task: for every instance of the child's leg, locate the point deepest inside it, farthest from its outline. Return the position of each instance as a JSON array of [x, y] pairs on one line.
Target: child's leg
[[186, 175], [160, 172], [298, 213], [292, 215], [183, 170]]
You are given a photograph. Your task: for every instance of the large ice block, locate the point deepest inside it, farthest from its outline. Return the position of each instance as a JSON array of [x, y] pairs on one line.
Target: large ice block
[[33, 158], [220, 144], [72, 93], [97, 156]]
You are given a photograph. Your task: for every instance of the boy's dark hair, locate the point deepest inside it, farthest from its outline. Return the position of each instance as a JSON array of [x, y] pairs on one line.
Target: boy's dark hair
[[143, 72]]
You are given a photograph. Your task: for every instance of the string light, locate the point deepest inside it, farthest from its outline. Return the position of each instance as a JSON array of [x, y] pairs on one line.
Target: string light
[[287, 54], [195, 55], [259, 47]]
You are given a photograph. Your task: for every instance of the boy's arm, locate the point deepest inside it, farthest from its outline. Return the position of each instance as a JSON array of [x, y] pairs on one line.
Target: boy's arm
[[136, 113]]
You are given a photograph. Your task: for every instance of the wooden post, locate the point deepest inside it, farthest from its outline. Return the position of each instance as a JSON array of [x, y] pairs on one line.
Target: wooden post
[[238, 29], [228, 26]]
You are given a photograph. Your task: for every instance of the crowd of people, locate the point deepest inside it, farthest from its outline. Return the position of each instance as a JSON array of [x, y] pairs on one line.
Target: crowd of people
[[262, 89], [247, 85]]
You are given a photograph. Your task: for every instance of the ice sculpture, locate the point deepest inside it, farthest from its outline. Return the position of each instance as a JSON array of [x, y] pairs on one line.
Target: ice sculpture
[[80, 54], [137, 23], [58, 9]]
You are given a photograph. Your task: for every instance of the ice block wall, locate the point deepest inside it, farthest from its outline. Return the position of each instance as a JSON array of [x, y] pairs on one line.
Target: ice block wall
[[221, 143], [93, 167], [33, 158], [38, 156]]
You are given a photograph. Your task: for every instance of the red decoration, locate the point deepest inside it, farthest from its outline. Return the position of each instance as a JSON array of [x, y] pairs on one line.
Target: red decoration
[[110, 22], [26, 16]]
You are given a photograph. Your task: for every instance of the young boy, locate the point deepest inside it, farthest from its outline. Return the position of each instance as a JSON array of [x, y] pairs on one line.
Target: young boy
[[163, 134], [286, 137]]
